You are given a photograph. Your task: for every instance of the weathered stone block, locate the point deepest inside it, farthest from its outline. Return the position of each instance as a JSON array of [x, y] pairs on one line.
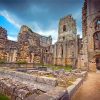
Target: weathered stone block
[[21, 93], [31, 97]]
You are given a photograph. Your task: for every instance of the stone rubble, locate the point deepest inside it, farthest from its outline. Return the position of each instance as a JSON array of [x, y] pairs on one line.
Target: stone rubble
[[16, 90]]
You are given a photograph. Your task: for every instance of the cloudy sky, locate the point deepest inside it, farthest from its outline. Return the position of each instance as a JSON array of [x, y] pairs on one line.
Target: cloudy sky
[[42, 16]]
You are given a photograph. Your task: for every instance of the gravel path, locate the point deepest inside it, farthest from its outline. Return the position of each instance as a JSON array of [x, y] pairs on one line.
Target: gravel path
[[90, 90]]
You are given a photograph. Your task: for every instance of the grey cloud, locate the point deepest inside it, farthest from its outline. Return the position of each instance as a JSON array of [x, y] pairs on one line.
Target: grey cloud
[[40, 11]]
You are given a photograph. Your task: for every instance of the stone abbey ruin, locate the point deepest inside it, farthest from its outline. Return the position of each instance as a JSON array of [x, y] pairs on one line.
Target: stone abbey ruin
[[24, 64], [34, 48], [69, 49]]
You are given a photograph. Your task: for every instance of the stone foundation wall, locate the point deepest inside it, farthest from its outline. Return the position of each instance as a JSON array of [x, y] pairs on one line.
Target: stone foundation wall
[[43, 83], [19, 86], [61, 93], [16, 90], [23, 86]]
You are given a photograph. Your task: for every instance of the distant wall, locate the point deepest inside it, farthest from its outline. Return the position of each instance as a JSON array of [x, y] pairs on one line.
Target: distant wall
[[16, 65]]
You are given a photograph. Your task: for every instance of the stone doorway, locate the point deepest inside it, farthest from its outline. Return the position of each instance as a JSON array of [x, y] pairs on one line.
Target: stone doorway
[[98, 63]]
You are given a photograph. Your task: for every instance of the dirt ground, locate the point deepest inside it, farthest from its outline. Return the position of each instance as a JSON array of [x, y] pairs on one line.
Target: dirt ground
[[90, 90]]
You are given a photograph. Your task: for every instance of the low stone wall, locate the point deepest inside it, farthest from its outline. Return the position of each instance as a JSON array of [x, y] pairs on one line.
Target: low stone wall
[[73, 88], [16, 90], [42, 83], [19, 86], [22, 86], [59, 93]]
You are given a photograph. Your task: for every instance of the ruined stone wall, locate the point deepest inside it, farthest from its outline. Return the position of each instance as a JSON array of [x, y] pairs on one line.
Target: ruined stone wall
[[3, 41], [32, 46], [92, 14]]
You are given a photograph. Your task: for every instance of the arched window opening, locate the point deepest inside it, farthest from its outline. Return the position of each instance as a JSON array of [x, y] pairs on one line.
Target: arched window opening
[[63, 38], [97, 41], [64, 28], [97, 26]]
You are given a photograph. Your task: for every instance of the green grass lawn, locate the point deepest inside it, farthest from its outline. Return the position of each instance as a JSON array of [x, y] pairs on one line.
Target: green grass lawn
[[3, 97], [66, 68]]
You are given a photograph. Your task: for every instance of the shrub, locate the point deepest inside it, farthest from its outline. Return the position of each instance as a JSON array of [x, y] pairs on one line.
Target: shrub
[[21, 62], [3, 97], [2, 61]]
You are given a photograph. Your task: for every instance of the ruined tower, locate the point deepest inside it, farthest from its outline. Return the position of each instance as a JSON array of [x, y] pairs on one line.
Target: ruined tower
[[67, 28], [65, 50]]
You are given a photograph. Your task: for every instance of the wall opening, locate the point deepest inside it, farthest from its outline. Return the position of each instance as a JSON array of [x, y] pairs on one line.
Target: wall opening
[[96, 41], [98, 63], [64, 28]]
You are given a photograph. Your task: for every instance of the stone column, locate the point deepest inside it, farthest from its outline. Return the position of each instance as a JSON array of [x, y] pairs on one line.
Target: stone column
[[7, 57], [55, 53], [14, 56]]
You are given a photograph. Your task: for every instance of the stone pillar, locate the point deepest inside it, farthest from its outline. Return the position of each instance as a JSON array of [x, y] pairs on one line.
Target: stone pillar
[[54, 55], [7, 57], [32, 57], [14, 55]]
